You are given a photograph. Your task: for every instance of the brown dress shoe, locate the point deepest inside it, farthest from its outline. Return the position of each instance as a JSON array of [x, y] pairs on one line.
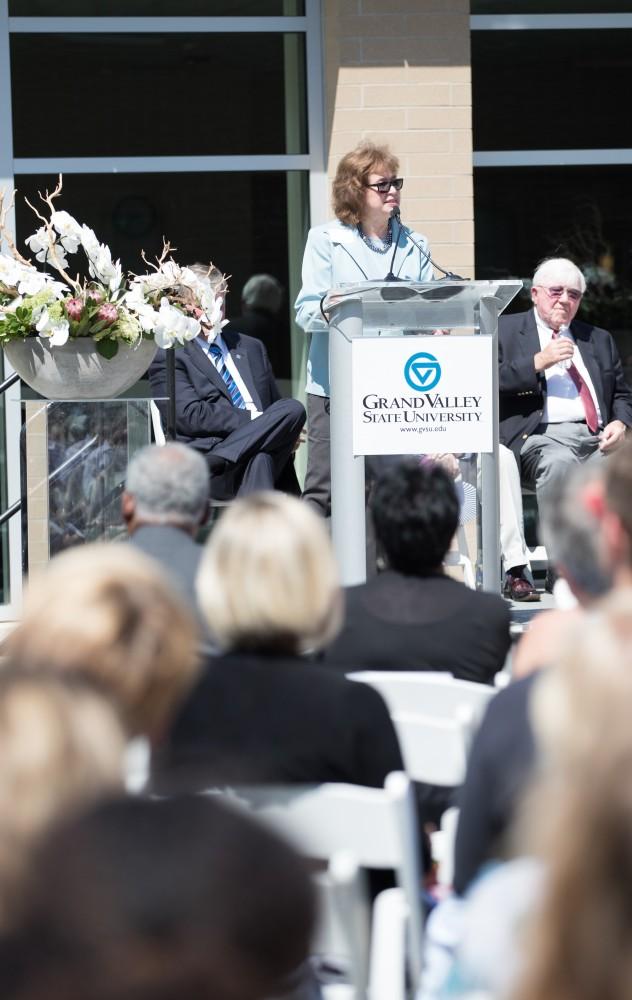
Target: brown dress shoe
[[518, 588]]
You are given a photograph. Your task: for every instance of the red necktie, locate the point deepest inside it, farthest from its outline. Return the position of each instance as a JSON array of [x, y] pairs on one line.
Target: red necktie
[[584, 394]]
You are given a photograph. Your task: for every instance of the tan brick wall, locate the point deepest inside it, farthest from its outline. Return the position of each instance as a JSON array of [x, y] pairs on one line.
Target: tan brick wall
[[399, 71]]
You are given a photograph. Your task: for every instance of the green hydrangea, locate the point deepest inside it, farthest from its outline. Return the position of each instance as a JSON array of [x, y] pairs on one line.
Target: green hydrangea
[[128, 328]]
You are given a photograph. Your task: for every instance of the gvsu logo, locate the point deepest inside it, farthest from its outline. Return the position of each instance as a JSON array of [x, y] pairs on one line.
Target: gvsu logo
[[422, 372]]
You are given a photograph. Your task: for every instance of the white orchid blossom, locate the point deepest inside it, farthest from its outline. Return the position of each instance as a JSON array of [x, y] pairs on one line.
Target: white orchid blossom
[[55, 331], [215, 322], [173, 326], [30, 282], [89, 241], [69, 231], [104, 269], [11, 271], [108, 304], [45, 251], [27, 279], [134, 301]]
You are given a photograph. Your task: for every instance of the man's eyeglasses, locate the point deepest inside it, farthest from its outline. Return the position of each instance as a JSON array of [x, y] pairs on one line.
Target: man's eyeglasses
[[383, 187], [558, 290]]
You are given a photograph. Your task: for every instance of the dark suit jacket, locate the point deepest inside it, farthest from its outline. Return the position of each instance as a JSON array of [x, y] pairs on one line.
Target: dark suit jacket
[[523, 390], [498, 769], [397, 622], [179, 555], [176, 551], [255, 718], [205, 414]]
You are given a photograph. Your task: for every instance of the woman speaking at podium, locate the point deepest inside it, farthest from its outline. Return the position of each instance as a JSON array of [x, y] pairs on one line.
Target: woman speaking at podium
[[365, 242]]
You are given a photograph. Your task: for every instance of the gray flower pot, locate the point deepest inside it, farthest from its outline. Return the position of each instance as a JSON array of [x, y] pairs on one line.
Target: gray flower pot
[[77, 370]]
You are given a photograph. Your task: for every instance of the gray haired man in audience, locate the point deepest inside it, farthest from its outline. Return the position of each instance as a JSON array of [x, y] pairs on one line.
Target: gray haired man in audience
[[164, 503]]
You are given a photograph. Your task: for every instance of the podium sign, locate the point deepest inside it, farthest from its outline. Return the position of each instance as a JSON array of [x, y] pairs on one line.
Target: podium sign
[[421, 395], [382, 351]]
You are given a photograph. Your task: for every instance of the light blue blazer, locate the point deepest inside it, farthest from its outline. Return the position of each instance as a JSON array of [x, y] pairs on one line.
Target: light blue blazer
[[334, 254]]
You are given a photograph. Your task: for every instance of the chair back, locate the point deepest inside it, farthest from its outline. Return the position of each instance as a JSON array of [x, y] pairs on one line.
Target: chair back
[[434, 750], [341, 945], [378, 826], [438, 695]]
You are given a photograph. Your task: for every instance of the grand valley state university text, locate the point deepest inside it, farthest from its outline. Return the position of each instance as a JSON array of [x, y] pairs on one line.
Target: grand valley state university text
[[424, 408]]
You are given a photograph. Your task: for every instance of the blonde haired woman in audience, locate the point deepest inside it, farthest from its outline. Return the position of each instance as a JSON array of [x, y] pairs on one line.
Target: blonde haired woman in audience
[[105, 611], [268, 585], [61, 748]]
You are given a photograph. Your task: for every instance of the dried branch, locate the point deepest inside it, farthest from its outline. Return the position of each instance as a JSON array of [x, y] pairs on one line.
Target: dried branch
[[4, 232], [52, 236], [167, 249]]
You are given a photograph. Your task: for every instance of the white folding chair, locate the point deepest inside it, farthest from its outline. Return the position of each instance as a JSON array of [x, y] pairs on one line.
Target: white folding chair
[[437, 695], [387, 975], [443, 847], [378, 826], [434, 750], [342, 936]]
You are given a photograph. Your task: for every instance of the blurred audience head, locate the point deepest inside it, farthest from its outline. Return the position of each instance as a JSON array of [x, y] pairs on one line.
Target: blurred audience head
[[61, 747], [570, 532], [580, 816], [105, 612], [416, 514], [166, 485], [268, 579], [262, 293], [352, 174], [586, 698], [157, 900], [615, 508]]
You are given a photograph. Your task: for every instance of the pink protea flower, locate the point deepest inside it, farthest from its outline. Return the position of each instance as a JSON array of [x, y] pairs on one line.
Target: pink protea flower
[[74, 309], [95, 295], [108, 314]]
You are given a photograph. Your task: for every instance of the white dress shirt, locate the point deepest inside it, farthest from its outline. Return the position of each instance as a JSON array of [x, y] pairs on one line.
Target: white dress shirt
[[563, 403], [232, 368]]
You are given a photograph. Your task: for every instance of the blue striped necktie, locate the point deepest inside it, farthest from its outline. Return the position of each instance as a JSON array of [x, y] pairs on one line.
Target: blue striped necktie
[[231, 385]]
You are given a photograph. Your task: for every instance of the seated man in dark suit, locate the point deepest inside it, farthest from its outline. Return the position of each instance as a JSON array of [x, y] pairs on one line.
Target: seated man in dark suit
[[412, 616], [229, 408], [563, 394]]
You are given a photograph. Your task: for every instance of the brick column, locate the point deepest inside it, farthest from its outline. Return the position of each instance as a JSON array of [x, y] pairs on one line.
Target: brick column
[[398, 71]]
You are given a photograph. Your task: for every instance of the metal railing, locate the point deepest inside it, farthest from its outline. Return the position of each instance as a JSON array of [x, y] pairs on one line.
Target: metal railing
[[16, 507]]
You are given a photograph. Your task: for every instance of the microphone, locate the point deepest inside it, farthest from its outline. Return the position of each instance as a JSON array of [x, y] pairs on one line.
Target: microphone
[[395, 217], [446, 274]]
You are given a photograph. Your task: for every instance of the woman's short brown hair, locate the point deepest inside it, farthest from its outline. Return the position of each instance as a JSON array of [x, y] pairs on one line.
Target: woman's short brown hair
[[352, 175]]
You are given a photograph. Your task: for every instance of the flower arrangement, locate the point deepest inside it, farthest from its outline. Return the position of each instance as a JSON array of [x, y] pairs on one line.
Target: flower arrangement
[[169, 304]]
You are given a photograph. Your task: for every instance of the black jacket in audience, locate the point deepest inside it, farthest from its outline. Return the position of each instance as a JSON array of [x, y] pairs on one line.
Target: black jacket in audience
[[264, 718], [499, 768], [402, 622]]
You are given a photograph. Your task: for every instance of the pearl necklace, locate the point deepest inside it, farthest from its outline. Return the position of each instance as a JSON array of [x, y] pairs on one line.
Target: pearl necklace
[[378, 247]]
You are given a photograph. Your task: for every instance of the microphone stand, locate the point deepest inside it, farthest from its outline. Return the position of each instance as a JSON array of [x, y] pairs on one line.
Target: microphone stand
[[391, 276], [395, 215]]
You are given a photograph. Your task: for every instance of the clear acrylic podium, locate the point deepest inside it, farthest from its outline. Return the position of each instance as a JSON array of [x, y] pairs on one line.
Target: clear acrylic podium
[[405, 309]]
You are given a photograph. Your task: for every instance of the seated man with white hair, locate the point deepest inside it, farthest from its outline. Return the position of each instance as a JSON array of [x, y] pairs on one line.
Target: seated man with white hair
[[563, 395]]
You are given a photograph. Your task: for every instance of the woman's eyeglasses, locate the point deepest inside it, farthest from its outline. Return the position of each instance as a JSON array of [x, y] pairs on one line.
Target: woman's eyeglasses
[[383, 187]]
